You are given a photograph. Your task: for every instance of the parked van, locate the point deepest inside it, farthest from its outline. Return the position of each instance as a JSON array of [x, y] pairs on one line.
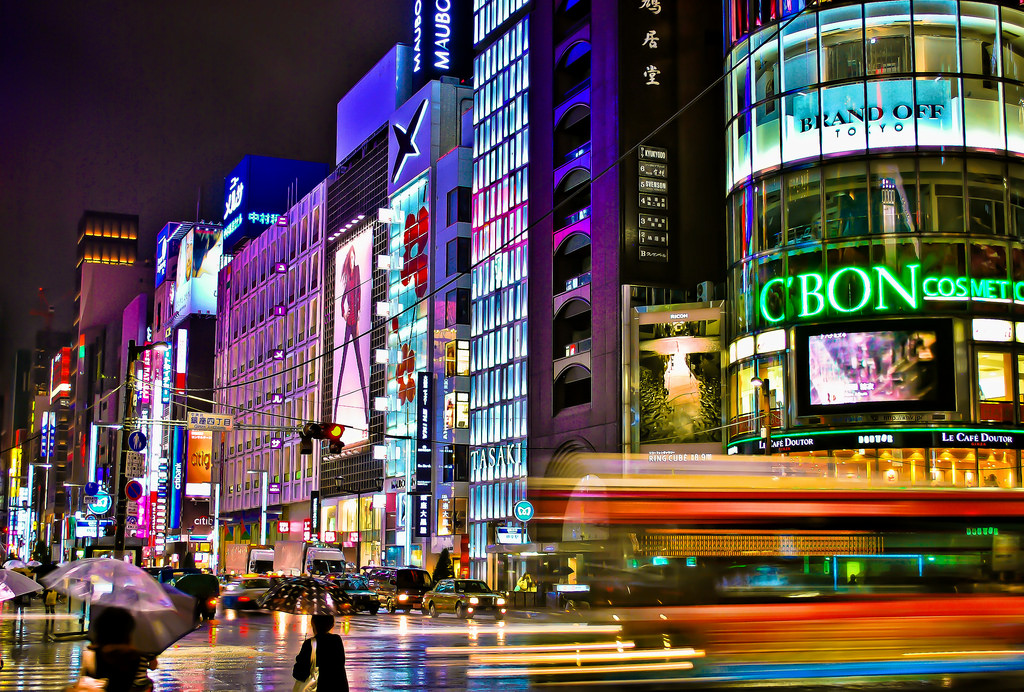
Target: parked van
[[398, 588]]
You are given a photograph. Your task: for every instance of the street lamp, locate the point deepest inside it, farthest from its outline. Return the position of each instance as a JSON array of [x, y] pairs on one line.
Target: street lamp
[[127, 427], [264, 478]]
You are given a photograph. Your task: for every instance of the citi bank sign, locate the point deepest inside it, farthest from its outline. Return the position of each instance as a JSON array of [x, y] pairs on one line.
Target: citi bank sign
[[876, 289]]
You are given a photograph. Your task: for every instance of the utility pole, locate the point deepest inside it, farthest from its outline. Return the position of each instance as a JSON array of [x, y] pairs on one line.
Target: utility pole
[[128, 425]]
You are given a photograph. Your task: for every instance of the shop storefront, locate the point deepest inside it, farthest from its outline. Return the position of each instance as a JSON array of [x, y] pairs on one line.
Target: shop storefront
[[897, 457]]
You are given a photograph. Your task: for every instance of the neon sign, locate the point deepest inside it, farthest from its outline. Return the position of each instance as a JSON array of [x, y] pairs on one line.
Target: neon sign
[[876, 289]]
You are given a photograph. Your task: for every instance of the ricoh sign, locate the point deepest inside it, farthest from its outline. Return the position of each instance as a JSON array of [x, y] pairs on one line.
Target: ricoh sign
[[441, 39]]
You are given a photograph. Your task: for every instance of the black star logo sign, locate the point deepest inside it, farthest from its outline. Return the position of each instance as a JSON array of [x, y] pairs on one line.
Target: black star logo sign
[[406, 138]]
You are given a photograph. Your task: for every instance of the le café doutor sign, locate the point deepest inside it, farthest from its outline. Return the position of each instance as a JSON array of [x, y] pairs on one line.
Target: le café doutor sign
[[876, 289]]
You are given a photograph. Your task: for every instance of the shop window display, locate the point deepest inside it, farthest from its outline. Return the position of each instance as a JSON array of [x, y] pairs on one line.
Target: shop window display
[[995, 386], [954, 467]]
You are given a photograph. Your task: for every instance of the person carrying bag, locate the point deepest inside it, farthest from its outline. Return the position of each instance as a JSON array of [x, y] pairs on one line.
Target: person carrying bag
[[321, 660]]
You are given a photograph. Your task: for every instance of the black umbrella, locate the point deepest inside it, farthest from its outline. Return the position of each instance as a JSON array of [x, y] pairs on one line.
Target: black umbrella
[[304, 596]]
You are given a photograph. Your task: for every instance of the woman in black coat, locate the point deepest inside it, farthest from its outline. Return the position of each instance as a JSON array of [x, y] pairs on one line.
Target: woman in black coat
[[330, 657]]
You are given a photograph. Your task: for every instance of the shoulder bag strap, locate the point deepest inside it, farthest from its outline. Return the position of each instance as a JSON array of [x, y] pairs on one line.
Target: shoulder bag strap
[[312, 657]]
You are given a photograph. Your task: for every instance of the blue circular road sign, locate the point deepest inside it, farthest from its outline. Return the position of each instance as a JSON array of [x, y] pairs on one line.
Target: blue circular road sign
[[523, 510], [133, 490], [137, 441], [100, 504], [91, 488]]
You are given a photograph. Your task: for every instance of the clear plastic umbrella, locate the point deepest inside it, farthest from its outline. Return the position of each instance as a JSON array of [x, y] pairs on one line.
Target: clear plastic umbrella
[[155, 630], [111, 581], [15, 564], [13, 584]]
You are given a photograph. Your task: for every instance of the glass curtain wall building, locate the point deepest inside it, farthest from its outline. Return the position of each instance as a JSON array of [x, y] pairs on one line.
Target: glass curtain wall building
[[498, 397], [876, 207]]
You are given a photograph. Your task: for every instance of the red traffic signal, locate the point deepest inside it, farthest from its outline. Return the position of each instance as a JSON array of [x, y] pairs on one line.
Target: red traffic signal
[[333, 432]]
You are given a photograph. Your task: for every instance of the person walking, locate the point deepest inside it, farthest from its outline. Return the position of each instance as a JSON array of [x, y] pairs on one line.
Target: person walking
[[112, 658], [321, 660], [50, 601]]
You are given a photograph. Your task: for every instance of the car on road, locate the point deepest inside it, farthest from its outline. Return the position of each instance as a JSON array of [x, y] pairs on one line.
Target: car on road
[[398, 588], [466, 598], [242, 594], [360, 597], [205, 588]]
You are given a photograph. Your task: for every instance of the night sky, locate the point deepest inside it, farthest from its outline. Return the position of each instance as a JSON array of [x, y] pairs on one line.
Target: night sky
[[140, 106]]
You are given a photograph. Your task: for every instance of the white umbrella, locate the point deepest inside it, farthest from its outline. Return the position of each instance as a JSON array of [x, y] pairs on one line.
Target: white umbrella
[[15, 564], [99, 578], [33, 563], [13, 584]]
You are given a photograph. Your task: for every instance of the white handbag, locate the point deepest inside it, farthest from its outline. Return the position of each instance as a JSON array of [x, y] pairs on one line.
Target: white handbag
[[309, 684]]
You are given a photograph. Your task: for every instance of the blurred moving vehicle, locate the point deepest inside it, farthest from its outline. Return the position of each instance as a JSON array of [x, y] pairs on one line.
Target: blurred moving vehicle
[[361, 598], [242, 594], [205, 588], [466, 598], [398, 588]]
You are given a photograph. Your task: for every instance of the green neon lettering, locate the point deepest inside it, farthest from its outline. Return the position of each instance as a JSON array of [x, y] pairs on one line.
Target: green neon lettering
[[764, 301], [990, 291], [929, 287], [961, 288], [806, 292], [946, 287], [1018, 291], [865, 295], [1003, 288], [977, 288], [886, 277]]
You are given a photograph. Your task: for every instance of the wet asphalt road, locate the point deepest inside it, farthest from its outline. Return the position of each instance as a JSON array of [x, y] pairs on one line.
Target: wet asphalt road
[[255, 651]]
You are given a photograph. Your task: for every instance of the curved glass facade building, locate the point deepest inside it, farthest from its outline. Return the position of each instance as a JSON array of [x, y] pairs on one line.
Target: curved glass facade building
[[875, 183]]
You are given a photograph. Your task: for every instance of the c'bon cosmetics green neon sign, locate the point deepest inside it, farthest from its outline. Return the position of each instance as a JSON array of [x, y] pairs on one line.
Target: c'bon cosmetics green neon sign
[[877, 289]]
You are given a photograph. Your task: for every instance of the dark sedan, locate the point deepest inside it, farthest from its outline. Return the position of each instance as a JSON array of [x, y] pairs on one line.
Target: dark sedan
[[360, 598]]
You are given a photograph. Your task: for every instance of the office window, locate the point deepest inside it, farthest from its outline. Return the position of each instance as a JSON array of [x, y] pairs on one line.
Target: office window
[[457, 256], [459, 205]]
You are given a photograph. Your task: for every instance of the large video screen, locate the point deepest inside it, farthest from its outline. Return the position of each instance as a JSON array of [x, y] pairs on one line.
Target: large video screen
[[680, 382], [893, 366], [353, 282]]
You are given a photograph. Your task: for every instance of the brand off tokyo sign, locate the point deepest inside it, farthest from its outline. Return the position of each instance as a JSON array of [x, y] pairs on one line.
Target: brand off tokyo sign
[[876, 288]]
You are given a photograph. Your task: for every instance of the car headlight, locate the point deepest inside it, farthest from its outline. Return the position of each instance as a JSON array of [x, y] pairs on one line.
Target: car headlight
[[501, 601], [403, 597], [474, 600]]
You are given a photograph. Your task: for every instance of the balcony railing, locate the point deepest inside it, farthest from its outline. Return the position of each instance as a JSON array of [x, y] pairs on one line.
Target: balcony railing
[[583, 213]]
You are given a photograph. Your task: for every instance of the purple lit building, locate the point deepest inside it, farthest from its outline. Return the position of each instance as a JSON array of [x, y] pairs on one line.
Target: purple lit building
[[592, 196]]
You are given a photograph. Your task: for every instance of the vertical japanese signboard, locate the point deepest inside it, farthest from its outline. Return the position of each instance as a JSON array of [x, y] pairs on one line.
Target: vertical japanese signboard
[[424, 426]]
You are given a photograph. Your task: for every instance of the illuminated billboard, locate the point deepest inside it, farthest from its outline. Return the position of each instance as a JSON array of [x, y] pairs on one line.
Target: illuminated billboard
[[442, 39], [162, 251], [871, 367], [60, 374], [677, 377], [200, 458], [893, 365], [353, 286], [195, 288], [257, 191], [408, 284]]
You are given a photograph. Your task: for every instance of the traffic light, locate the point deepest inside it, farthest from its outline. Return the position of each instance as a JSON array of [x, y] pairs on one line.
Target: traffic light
[[310, 432], [333, 432], [321, 431]]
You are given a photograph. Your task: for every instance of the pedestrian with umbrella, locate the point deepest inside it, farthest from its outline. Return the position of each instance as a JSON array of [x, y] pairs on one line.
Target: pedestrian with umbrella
[[112, 662], [14, 585], [321, 660], [159, 616]]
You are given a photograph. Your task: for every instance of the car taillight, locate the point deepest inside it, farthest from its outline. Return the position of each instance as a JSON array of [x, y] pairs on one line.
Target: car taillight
[[243, 598], [212, 602]]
